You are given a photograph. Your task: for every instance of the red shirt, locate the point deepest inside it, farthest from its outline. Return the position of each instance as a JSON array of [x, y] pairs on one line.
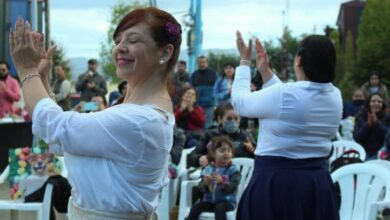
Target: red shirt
[[190, 121], [9, 95]]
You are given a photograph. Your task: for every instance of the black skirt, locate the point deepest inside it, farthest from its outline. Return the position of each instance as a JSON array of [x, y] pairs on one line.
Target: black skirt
[[289, 189]]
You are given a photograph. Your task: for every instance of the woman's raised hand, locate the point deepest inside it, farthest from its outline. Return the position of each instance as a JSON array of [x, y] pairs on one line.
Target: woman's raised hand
[[26, 48], [244, 50], [262, 61]]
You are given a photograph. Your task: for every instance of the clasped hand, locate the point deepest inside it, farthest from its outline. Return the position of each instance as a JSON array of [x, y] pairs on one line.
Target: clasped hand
[[245, 51], [28, 50]]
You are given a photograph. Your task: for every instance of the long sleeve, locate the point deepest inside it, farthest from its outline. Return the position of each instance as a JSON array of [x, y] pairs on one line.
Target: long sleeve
[[80, 84], [12, 93], [232, 185], [89, 134], [200, 150], [64, 91], [195, 119], [362, 130], [102, 89], [265, 103], [220, 91]]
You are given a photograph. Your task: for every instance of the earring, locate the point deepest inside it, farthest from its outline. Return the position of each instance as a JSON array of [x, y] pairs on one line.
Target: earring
[[161, 61]]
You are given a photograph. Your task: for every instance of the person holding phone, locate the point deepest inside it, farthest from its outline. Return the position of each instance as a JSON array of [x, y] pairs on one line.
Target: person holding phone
[[117, 159]]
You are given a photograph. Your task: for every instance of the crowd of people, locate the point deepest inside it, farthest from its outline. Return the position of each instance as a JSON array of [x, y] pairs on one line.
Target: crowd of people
[[222, 115]]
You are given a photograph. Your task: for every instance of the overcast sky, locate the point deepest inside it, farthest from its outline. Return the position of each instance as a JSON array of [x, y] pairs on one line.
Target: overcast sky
[[79, 26]]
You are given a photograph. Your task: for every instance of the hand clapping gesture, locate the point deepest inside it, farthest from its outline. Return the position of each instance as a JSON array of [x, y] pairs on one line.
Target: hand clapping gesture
[[28, 51], [262, 61]]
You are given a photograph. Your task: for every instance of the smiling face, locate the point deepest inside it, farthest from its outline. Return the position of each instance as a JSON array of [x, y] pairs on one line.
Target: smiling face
[[376, 103], [136, 54], [189, 96]]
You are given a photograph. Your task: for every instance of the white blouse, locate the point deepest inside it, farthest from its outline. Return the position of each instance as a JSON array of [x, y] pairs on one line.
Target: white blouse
[[297, 120], [117, 158]]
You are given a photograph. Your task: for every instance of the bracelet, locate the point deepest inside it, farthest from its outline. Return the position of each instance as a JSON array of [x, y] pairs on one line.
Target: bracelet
[[27, 77], [52, 96], [245, 62]]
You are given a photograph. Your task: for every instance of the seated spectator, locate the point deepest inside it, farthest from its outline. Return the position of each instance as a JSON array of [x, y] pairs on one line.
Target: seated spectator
[[122, 88], [371, 125], [351, 108], [190, 116], [220, 180], [374, 85], [179, 139], [229, 120]]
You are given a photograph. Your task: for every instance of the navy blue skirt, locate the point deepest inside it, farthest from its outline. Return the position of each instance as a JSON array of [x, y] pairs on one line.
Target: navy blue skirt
[[289, 189]]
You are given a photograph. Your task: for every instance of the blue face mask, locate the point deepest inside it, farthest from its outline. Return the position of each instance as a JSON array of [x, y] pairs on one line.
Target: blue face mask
[[230, 126]]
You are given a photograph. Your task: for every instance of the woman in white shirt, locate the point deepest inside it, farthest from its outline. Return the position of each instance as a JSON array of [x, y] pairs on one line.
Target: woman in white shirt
[[117, 158], [298, 121]]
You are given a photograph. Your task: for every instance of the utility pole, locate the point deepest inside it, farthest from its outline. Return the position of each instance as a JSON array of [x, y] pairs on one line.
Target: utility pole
[[194, 39]]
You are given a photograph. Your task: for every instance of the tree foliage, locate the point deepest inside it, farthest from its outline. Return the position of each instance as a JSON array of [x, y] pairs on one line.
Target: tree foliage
[[373, 43], [59, 59], [217, 61], [120, 9]]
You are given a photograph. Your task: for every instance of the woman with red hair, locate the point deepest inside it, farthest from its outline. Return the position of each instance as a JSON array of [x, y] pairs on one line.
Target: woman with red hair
[[117, 158]]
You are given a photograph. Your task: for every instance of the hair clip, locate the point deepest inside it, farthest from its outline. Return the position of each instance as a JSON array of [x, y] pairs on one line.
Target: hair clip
[[172, 30]]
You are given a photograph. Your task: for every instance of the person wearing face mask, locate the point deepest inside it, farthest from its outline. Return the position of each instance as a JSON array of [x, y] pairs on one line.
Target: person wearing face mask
[[229, 122], [353, 107], [9, 90], [371, 125]]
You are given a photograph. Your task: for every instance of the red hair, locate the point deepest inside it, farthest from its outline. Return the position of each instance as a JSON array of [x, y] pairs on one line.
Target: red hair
[[157, 21]]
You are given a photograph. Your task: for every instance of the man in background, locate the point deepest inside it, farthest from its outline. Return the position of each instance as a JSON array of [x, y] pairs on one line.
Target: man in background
[[91, 83], [203, 80]]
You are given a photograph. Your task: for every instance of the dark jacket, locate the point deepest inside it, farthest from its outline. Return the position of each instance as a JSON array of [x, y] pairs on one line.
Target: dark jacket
[[238, 139], [370, 137], [203, 81], [179, 139], [86, 93]]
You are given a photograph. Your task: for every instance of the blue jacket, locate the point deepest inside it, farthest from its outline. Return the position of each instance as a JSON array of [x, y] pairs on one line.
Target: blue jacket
[[203, 81], [226, 191], [221, 90]]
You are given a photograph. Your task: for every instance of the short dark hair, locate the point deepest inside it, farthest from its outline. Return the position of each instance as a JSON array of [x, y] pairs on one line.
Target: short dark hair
[[202, 57], [92, 61], [183, 62], [121, 85], [318, 58], [223, 108], [229, 64], [5, 63]]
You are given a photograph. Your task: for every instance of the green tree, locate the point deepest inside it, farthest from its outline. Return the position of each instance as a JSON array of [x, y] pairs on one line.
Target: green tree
[[346, 61], [334, 36], [373, 43], [217, 61], [289, 46], [59, 59], [120, 9]]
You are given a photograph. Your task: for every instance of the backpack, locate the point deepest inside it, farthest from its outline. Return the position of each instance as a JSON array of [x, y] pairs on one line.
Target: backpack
[[348, 157]]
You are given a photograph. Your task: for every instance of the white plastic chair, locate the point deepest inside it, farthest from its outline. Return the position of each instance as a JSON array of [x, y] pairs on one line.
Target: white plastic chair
[[339, 147], [245, 165], [365, 190], [42, 208], [170, 192]]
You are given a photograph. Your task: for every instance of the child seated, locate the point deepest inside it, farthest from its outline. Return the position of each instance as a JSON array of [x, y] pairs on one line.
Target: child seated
[[219, 182]]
